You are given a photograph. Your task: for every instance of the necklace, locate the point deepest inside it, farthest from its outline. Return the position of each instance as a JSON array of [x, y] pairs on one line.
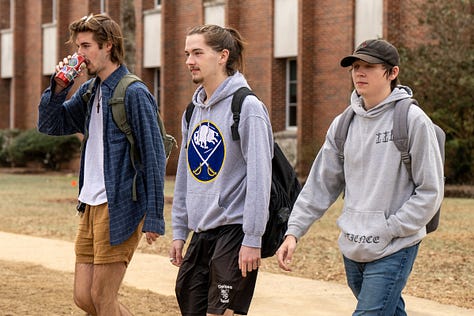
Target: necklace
[[99, 101]]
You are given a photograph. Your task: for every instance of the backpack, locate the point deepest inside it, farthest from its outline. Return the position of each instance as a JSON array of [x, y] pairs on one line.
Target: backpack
[[285, 185], [400, 139], [117, 104]]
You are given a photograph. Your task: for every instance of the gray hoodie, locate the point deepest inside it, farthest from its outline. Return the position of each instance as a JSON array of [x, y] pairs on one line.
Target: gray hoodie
[[220, 181], [383, 210]]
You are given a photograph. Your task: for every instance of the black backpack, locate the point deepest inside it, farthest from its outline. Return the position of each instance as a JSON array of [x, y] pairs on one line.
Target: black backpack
[[285, 185], [117, 104], [400, 139]]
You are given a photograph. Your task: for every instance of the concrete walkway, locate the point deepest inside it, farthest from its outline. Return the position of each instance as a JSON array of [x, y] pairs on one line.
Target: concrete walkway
[[275, 294]]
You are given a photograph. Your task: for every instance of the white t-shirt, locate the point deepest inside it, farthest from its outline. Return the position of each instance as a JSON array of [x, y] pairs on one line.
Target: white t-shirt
[[93, 190]]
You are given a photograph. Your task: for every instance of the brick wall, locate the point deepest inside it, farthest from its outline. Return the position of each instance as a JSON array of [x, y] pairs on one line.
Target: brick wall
[[326, 29]]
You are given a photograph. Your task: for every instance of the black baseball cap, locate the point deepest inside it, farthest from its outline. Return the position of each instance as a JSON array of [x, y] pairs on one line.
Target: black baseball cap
[[375, 51]]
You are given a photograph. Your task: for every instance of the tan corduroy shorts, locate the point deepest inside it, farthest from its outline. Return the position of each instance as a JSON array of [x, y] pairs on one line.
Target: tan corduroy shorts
[[93, 239]]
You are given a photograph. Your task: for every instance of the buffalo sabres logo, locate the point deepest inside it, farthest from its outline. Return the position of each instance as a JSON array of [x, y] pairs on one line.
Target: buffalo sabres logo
[[206, 152]]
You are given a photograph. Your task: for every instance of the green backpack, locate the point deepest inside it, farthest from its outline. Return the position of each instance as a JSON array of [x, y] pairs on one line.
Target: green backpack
[[117, 104]]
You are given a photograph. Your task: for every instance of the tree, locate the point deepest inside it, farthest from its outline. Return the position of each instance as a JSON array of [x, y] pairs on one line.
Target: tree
[[128, 23], [440, 71]]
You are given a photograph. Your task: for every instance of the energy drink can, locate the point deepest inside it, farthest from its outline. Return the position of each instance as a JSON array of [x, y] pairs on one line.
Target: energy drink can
[[71, 70]]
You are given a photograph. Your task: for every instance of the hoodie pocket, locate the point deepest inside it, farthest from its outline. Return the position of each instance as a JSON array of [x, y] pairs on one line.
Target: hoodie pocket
[[364, 235], [204, 210]]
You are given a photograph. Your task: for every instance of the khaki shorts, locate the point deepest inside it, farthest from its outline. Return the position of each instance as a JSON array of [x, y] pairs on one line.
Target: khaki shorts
[[93, 239]]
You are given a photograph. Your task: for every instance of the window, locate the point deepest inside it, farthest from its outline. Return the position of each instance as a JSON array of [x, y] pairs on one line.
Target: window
[[49, 36], [368, 20], [157, 3], [291, 94], [152, 38], [214, 12], [157, 87], [6, 39], [285, 26]]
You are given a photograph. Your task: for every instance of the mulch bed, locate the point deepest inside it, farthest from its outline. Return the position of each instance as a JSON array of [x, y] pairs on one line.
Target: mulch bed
[[459, 191]]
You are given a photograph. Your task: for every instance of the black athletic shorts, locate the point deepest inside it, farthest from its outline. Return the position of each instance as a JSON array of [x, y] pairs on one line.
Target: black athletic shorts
[[209, 279]]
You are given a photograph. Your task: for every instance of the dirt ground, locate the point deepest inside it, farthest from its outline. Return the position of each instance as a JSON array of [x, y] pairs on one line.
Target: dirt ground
[[34, 290]]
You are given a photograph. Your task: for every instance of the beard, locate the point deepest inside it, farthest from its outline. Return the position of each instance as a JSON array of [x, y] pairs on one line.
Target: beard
[[197, 80], [91, 72]]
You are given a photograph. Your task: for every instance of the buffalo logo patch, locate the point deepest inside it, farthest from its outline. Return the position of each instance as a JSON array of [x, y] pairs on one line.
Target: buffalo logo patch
[[206, 152]]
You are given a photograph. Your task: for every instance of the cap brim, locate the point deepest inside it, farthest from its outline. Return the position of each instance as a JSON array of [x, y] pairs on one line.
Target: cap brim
[[349, 60]]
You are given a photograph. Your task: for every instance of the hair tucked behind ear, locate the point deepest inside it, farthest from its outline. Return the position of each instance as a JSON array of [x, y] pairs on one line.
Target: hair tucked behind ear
[[220, 38], [388, 71], [104, 29]]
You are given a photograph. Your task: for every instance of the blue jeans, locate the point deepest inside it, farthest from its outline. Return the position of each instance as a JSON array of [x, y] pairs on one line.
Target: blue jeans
[[378, 285]]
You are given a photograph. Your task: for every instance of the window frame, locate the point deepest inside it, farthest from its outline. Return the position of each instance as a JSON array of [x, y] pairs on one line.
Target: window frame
[[289, 82]]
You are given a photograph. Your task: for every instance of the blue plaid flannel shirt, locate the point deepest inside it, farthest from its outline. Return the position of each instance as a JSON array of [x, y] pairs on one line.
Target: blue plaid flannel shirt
[[58, 116]]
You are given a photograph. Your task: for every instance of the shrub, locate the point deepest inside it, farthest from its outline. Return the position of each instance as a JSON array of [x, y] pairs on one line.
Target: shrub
[[32, 146], [6, 138]]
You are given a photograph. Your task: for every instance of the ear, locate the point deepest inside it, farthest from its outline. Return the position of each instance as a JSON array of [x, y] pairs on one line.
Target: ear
[[394, 73], [223, 56], [108, 46]]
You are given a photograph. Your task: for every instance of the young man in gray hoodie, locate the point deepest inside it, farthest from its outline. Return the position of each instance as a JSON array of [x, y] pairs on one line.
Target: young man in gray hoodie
[[384, 214], [222, 188]]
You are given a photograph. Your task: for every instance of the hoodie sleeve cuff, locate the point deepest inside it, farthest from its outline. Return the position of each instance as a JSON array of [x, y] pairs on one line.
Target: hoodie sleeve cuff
[[294, 232], [252, 241], [179, 234]]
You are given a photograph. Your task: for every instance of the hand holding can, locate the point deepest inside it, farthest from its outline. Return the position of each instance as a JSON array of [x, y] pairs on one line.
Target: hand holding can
[[70, 70]]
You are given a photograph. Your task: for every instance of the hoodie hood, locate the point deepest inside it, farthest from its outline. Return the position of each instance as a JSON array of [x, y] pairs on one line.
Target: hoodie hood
[[225, 89], [400, 92]]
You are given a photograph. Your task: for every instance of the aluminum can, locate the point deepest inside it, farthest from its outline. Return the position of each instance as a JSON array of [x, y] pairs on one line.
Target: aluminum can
[[72, 69]]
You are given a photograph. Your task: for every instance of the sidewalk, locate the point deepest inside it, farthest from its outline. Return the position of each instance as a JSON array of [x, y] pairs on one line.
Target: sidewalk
[[275, 294]]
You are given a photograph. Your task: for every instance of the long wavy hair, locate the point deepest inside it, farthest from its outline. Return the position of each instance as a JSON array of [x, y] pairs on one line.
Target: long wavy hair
[[104, 30]]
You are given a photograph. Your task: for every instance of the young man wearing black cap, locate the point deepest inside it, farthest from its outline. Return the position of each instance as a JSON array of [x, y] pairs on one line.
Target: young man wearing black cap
[[384, 214]]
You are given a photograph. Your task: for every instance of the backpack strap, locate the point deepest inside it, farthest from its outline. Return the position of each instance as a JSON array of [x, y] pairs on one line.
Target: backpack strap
[[169, 142], [86, 96], [236, 107], [117, 105], [189, 112], [188, 115], [400, 131], [400, 139], [342, 129]]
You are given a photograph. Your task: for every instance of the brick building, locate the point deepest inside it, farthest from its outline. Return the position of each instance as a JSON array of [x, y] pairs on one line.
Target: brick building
[[292, 58]]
